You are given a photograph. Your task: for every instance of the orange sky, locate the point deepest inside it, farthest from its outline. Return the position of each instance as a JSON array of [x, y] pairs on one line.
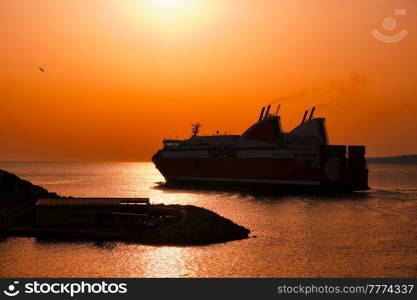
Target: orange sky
[[123, 74]]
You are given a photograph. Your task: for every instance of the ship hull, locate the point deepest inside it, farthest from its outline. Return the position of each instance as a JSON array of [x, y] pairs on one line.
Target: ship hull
[[287, 186], [270, 173]]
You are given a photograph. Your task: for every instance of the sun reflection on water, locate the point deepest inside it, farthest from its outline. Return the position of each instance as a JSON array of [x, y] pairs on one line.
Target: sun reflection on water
[[166, 262]]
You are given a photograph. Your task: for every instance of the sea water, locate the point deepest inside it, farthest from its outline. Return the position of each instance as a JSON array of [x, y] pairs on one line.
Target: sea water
[[362, 234]]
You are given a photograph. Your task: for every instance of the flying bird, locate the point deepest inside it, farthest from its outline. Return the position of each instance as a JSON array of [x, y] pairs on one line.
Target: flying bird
[[41, 69]]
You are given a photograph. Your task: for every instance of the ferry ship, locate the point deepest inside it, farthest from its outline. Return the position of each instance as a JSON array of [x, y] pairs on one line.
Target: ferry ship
[[264, 155]]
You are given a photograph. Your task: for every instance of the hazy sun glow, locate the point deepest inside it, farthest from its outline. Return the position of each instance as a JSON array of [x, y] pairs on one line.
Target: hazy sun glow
[[172, 4], [174, 8], [168, 16]]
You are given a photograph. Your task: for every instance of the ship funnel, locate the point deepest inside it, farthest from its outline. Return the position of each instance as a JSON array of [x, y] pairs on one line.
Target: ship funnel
[[262, 113], [267, 111], [304, 117], [278, 107], [312, 112]]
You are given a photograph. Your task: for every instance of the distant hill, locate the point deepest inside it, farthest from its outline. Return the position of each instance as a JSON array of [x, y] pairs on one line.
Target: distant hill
[[401, 159]]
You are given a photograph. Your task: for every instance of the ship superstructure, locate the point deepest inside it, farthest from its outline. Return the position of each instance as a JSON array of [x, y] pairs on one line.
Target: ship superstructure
[[265, 155]]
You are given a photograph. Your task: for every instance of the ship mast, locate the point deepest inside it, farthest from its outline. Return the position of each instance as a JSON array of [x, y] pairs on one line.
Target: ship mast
[[195, 128]]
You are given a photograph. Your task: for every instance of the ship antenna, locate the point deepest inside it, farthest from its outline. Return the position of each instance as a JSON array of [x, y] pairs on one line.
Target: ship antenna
[[262, 113], [278, 107], [195, 128], [305, 115], [267, 111], [312, 112]]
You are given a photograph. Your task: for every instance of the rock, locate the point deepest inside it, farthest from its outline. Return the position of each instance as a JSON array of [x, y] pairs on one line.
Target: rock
[[18, 197], [199, 226], [15, 191]]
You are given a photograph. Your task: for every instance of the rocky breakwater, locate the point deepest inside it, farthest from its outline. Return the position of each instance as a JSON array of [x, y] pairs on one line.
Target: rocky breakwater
[[195, 226], [17, 197], [162, 224]]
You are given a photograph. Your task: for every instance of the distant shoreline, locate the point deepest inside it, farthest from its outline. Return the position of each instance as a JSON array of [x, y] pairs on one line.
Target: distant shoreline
[[400, 160]]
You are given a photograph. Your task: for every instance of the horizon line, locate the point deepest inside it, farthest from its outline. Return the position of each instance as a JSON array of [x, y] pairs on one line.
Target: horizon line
[[140, 161]]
